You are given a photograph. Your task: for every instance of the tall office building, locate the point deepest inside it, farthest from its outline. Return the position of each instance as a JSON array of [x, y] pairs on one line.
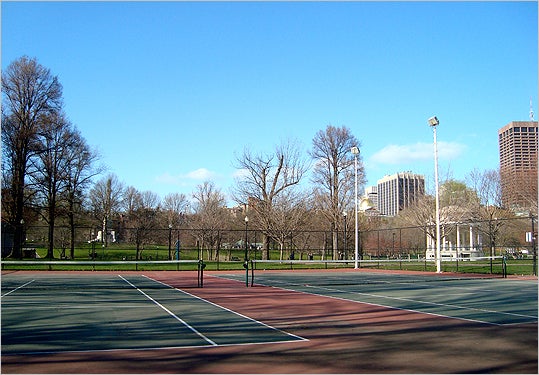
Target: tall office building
[[518, 142], [398, 191]]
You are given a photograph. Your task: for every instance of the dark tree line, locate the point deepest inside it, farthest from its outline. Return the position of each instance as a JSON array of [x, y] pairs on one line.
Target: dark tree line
[[47, 164]]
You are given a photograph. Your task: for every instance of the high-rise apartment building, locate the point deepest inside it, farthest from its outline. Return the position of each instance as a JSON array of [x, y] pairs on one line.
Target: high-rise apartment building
[[399, 191], [518, 143]]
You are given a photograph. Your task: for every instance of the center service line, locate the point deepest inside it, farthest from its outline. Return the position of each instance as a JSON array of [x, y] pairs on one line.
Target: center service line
[[17, 288], [170, 313]]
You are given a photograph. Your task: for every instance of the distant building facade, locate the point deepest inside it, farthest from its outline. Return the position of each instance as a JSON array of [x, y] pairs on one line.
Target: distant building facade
[[399, 191], [518, 145]]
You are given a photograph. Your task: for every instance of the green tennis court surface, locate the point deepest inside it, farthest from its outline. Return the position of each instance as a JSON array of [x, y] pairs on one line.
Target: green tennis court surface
[[69, 313], [487, 300]]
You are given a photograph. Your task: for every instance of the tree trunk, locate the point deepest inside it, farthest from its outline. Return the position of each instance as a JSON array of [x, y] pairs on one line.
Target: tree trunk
[[71, 232], [18, 240], [265, 247], [51, 220], [335, 238]]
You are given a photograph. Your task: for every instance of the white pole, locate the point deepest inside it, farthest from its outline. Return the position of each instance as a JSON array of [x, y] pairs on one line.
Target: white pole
[[438, 252], [356, 253]]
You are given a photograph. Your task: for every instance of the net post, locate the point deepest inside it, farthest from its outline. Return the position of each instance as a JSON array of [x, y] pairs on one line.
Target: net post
[[201, 266], [252, 273], [246, 266]]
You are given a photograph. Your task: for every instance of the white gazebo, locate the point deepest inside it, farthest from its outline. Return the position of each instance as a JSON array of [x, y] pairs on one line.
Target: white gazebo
[[467, 243]]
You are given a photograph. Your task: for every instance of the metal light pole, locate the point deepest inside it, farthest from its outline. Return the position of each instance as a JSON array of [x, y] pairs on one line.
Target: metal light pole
[[534, 250], [170, 242], [355, 152], [433, 122]]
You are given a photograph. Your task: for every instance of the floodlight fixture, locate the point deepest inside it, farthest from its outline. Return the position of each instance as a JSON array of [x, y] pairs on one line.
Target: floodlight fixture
[[433, 121]]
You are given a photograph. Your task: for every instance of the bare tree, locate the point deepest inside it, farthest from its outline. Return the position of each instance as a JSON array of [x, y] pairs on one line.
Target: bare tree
[[210, 215], [106, 197], [142, 210], [421, 213], [49, 171], [266, 176], [29, 94], [288, 216], [81, 169], [175, 206], [489, 208], [332, 174]]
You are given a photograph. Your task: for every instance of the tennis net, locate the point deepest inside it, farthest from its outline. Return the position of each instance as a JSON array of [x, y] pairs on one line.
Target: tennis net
[[481, 265], [186, 268], [325, 273]]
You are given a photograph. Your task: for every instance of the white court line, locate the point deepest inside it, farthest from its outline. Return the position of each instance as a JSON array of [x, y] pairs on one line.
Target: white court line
[[229, 310], [19, 287], [139, 349], [171, 313], [403, 299], [431, 303]]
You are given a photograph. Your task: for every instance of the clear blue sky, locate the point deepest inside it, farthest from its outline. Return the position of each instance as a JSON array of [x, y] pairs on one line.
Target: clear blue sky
[[169, 92]]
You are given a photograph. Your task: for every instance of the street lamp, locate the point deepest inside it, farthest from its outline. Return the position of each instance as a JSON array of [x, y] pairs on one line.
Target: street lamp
[[433, 122], [355, 152], [246, 224], [170, 242]]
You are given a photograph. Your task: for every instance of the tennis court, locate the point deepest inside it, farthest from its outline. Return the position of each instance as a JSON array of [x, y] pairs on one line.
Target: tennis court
[[482, 299], [323, 321], [110, 312]]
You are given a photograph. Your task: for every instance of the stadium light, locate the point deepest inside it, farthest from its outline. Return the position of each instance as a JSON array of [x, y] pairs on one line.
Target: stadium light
[[355, 151], [433, 122]]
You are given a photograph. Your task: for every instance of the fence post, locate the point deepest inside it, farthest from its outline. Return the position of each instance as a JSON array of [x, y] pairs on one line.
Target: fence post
[[533, 246]]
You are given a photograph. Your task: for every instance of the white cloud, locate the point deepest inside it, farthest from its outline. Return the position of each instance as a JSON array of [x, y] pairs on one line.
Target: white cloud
[[201, 174], [418, 152], [240, 173], [450, 150], [167, 178]]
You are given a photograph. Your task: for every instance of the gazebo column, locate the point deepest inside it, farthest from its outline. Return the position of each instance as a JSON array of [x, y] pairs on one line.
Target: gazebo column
[[458, 241], [471, 238]]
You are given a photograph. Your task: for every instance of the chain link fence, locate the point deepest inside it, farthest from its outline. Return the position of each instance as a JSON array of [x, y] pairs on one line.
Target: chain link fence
[[513, 238]]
